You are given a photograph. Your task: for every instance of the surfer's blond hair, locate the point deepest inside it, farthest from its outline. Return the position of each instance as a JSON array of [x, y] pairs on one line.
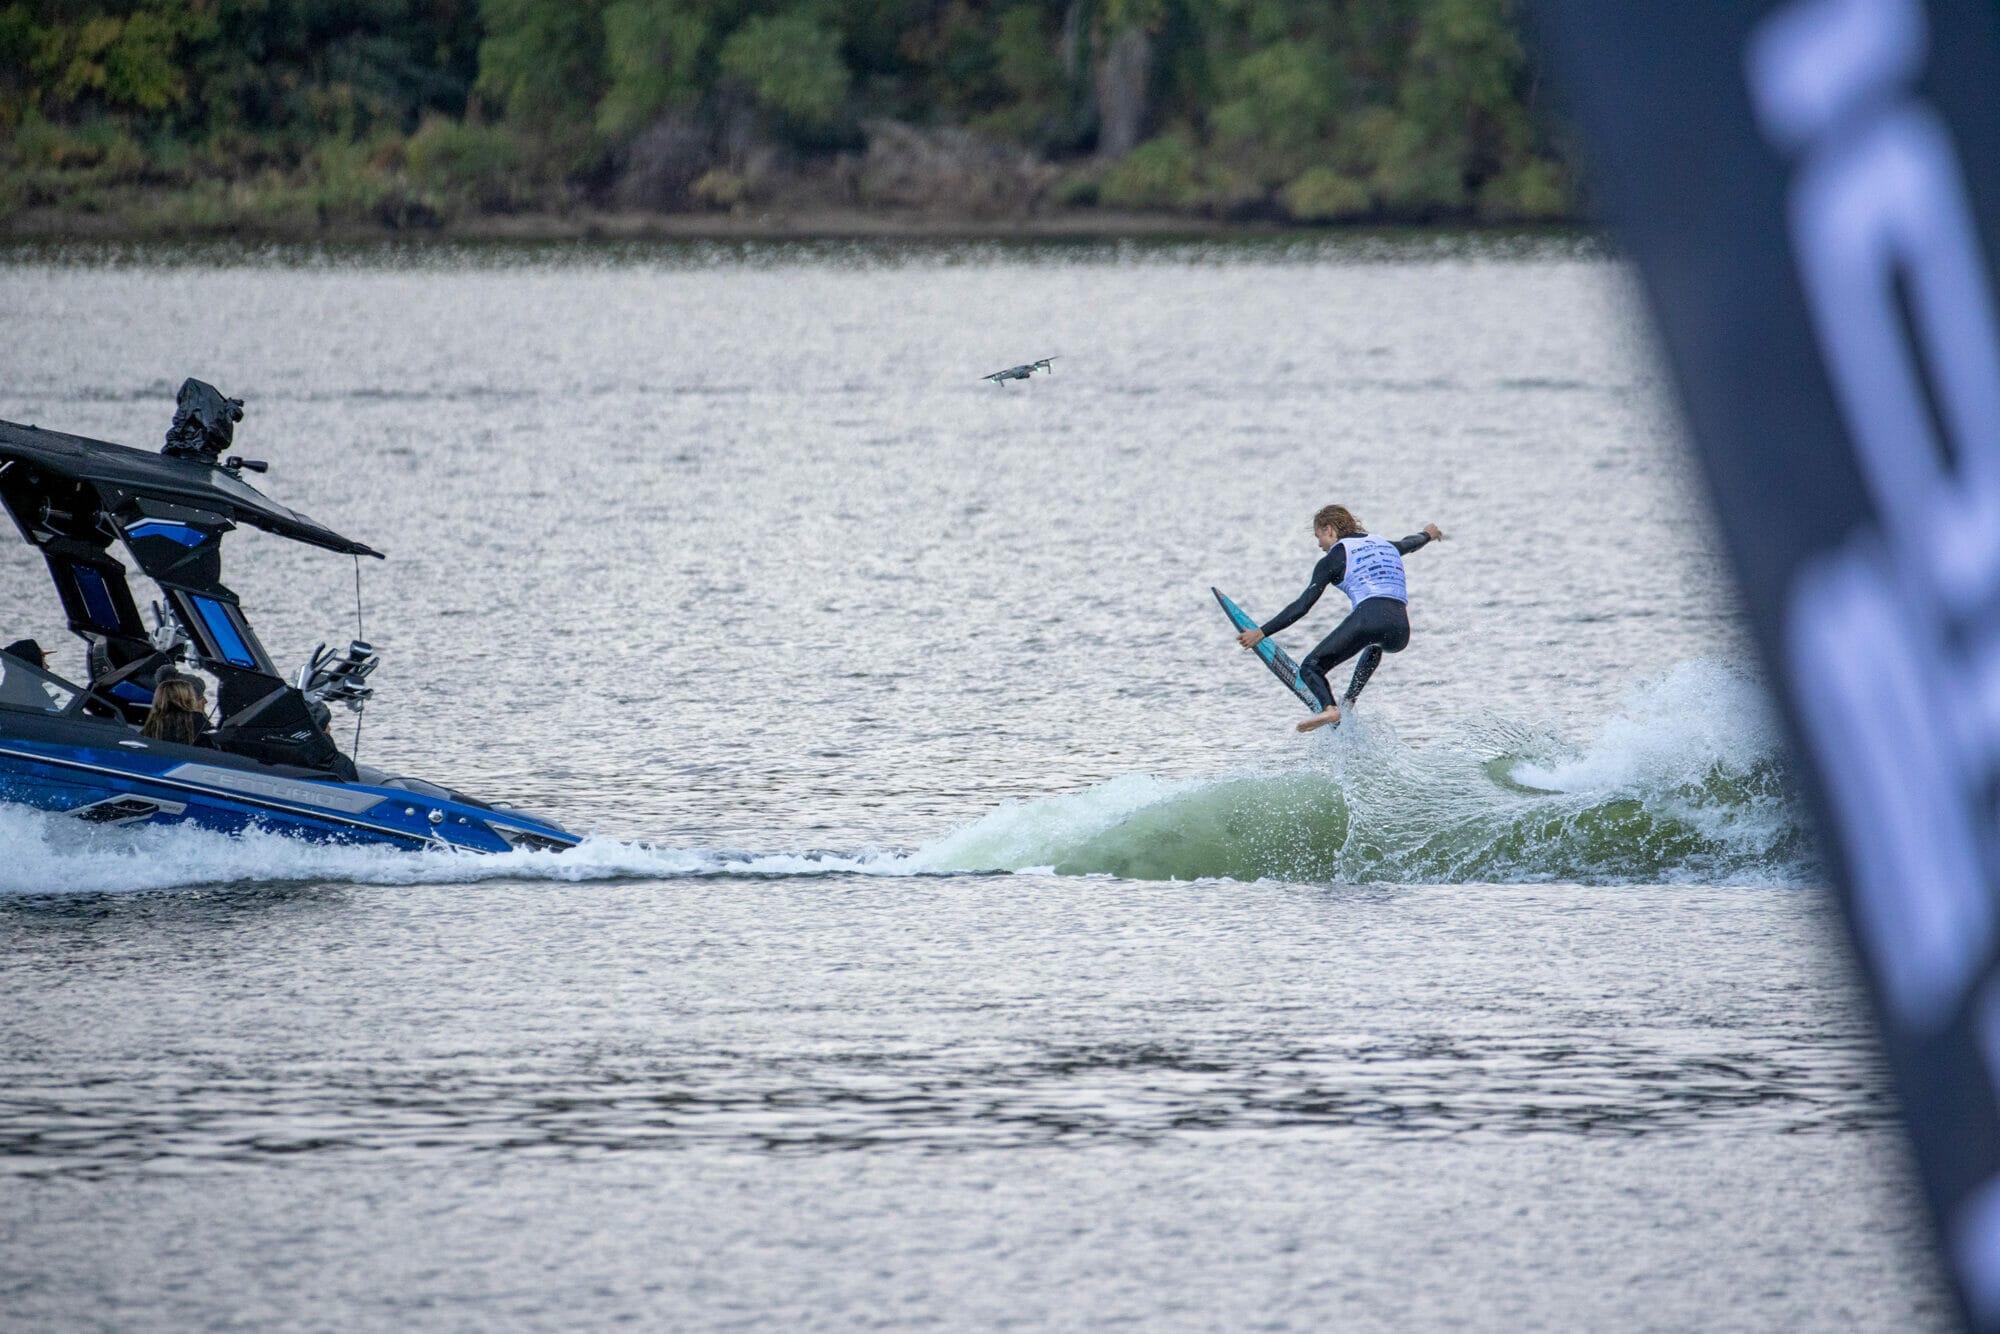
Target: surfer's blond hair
[[1339, 518]]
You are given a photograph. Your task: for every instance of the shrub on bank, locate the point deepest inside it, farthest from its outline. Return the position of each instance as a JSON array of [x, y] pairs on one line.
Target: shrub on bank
[[1536, 192], [1321, 194], [719, 189], [1164, 172], [483, 166]]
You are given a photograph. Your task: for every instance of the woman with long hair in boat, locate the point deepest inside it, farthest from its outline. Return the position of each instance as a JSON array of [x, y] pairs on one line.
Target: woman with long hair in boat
[[179, 712]]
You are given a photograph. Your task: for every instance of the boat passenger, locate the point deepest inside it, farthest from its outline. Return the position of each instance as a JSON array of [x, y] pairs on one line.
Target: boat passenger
[[179, 712], [28, 651]]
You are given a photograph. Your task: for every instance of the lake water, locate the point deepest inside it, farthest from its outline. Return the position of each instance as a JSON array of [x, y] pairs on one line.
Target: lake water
[[965, 938]]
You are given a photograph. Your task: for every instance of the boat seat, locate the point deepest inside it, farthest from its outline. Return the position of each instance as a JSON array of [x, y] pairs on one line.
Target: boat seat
[[134, 694]]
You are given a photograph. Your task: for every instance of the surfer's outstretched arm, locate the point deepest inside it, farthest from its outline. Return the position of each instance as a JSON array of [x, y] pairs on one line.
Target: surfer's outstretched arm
[[1405, 545]]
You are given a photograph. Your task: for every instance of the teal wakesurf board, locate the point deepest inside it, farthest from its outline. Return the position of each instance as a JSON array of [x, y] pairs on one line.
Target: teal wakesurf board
[[1279, 661]]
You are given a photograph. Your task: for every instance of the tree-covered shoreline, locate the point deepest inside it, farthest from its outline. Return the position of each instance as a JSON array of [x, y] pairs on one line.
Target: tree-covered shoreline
[[293, 116]]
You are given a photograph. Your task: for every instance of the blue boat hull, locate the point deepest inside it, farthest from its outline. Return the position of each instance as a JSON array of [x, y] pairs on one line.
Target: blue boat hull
[[132, 782]]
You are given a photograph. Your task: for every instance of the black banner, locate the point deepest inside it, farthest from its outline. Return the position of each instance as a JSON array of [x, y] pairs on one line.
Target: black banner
[[1811, 193]]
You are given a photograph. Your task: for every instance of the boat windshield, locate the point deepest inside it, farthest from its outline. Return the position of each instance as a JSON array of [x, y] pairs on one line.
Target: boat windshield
[[23, 686]]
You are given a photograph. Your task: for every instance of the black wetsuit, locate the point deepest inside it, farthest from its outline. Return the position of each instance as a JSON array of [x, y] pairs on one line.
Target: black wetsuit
[[1375, 626]]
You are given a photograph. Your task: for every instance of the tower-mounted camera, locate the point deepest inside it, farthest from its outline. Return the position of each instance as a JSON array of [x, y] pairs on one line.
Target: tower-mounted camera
[[204, 422]]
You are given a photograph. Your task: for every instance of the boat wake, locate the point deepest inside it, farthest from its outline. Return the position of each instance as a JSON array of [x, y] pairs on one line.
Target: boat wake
[[1686, 784], [55, 854]]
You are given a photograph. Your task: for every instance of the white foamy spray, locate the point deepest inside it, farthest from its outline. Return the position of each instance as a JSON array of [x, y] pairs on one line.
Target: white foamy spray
[[55, 854], [1672, 731]]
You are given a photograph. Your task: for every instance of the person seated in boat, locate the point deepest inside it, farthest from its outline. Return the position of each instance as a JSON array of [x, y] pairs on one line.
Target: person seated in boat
[[180, 712], [28, 651], [27, 689]]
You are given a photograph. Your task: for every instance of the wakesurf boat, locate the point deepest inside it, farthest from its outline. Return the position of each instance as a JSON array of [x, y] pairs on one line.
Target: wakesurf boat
[[78, 748]]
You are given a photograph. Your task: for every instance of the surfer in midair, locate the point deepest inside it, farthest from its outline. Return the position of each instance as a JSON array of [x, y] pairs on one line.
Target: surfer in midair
[[1370, 571]]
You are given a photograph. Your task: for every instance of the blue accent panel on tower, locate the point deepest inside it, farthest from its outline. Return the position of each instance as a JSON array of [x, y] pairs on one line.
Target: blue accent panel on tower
[[135, 694], [185, 534], [222, 629], [96, 597]]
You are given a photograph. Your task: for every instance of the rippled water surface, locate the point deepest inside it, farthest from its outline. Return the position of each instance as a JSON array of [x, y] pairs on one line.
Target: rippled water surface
[[964, 937]]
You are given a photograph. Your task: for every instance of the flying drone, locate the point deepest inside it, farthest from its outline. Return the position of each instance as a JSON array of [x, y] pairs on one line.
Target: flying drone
[[1020, 372]]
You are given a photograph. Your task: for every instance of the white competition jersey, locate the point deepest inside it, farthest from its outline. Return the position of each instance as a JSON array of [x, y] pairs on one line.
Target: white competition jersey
[[1374, 570]]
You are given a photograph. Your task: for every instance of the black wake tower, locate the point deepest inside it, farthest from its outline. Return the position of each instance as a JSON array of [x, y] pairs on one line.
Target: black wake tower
[[72, 497]]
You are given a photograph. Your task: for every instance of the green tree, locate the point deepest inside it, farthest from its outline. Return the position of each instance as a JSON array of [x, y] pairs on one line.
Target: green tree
[[285, 73], [653, 52], [1024, 57], [1282, 103], [1460, 121], [791, 63], [1037, 99], [104, 58], [544, 61]]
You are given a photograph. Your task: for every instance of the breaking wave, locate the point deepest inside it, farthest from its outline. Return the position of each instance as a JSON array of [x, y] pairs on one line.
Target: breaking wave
[[1686, 784]]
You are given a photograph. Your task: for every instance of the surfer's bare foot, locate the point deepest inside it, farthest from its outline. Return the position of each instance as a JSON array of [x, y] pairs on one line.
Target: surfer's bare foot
[[1327, 718]]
